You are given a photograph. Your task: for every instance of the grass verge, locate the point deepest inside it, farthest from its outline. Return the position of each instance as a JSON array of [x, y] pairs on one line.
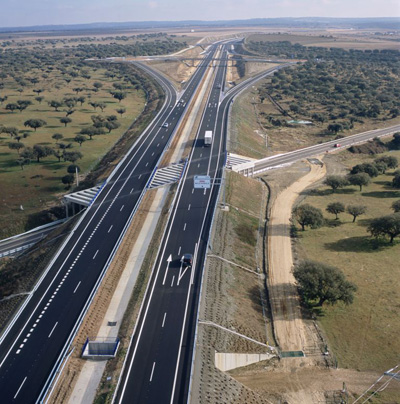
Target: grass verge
[[364, 335]]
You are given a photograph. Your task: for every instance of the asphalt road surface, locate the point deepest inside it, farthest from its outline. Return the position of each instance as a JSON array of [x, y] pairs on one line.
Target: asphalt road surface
[[158, 364], [35, 343]]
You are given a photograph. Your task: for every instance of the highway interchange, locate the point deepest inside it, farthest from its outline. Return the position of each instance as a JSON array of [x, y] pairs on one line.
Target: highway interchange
[[158, 364]]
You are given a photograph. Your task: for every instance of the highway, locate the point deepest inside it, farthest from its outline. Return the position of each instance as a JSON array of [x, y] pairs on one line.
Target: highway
[[158, 363], [322, 148], [36, 341]]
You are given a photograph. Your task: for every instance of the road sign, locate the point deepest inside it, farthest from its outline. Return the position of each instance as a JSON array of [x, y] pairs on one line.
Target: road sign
[[202, 181]]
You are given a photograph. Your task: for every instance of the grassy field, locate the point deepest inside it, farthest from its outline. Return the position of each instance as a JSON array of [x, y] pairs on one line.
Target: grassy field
[[39, 185], [329, 40], [364, 335]]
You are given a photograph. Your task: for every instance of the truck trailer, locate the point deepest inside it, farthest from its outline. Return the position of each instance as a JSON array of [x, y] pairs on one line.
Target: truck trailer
[[208, 138]]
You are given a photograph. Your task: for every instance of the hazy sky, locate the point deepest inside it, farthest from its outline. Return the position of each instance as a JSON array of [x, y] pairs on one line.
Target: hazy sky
[[43, 12]]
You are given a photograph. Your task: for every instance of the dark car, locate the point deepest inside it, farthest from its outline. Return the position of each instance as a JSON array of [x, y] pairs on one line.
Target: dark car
[[187, 260]]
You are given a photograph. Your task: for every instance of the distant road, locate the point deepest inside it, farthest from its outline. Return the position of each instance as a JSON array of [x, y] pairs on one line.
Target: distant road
[[323, 148]]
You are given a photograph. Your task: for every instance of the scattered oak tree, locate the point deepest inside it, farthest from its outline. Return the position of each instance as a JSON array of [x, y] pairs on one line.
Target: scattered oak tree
[[335, 208], [396, 206], [308, 215], [35, 123], [335, 182], [121, 111], [386, 226], [360, 179], [65, 121], [356, 210], [320, 283], [68, 180], [57, 137], [80, 139]]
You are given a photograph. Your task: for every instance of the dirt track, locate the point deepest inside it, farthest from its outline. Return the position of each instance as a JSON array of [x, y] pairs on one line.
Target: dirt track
[[290, 330]]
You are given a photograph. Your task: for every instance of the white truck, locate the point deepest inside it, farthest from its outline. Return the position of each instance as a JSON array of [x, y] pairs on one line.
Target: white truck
[[208, 138]]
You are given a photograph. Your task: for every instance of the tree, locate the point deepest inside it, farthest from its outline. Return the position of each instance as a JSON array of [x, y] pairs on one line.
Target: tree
[[35, 123], [80, 139], [308, 215], [102, 106], [111, 125], [356, 210], [27, 153], [121, 111], [335, 182], [335, 128], [97, 86], [111, 118], [12, 107], [77, 89], [396, 206], [23, 104], [55, 105], [68, 180], [10, 130], [92, 131], [335, 208], [16, 146], [69, 112], [381, 167], [359, 179], [396, 181], [81, 100], [72, 156], [386, 226], [39, 99], [65, 121], [71, 169], [94, 104], [368, 168], [57, 137], [390, 161], [41, 152], [119, 95], [320, 283], [22, 162], [58, 155]]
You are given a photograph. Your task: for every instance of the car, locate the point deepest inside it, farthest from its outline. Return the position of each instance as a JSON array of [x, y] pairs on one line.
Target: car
[[187, 260], [337, 145], [218, 86], [165, 125]]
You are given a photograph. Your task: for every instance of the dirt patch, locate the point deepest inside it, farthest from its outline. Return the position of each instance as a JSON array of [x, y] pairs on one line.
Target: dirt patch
[[311, 385], [179, 72], [290, 332]]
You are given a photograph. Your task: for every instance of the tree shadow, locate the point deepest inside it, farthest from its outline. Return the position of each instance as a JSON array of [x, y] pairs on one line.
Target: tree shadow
[[364, 244], [333, 222], [382, 194], [279, 230]]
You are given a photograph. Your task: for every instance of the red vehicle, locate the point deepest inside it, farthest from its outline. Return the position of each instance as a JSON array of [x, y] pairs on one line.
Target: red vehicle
[[337, 145]]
